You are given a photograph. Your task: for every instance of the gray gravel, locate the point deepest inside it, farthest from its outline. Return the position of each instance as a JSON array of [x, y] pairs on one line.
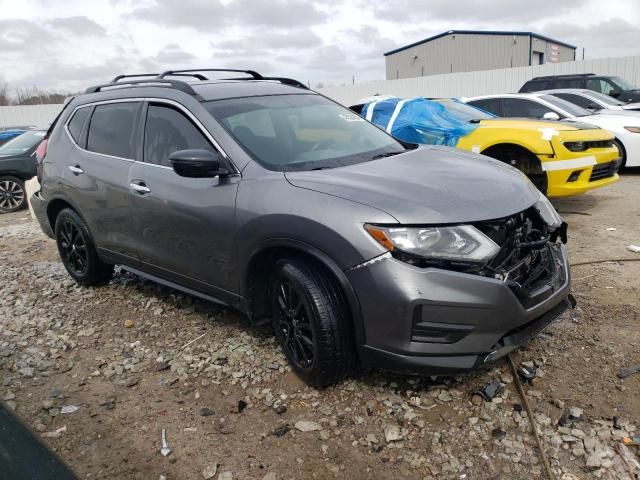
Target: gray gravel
[[111, 349]]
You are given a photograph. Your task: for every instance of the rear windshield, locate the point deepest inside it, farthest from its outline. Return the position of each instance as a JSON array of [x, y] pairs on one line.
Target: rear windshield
[[22, 143], [534, 86], [301, 132], [571, 108]]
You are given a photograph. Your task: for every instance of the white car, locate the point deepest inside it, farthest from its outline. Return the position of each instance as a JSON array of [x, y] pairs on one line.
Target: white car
[[625, 126], [593, 101]]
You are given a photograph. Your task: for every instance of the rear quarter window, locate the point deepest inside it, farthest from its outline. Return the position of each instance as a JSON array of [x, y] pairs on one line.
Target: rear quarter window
[[112, 129], [77, 122], [534, 86]]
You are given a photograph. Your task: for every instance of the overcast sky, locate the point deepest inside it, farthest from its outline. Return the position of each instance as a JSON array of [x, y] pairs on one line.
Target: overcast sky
[[69, 44]]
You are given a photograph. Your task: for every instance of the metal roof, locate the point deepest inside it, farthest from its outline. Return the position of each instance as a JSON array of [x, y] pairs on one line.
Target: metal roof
[[479, 32]]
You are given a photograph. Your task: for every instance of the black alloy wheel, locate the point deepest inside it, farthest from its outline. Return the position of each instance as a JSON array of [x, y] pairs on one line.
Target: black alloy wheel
[[312, 322], [294, 327], [77, 250], [73, 248]]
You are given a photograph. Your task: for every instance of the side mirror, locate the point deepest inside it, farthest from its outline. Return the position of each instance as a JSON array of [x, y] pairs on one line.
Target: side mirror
[[614, 94], [197, 163], [551, 116], [594, 107]]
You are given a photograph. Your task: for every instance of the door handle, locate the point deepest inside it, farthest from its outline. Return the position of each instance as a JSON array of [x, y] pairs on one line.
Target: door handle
[[76, 170], [140, 188]]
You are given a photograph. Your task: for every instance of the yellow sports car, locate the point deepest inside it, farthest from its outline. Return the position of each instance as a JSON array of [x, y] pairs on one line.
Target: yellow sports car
[[560, 159]]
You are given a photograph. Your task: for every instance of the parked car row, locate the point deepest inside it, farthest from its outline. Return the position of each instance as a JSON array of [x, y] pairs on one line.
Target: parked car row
[[557, 104], [268, 197]]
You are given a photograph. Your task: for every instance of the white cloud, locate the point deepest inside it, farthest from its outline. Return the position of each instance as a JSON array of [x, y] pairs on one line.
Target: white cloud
[[69, 44]]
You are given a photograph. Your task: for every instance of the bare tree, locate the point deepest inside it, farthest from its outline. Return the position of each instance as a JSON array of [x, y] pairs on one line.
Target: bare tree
[[36, 96], [4, 94]]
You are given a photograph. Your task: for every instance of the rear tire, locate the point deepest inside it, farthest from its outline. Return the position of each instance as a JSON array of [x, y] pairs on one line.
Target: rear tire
[[77, 250], [13, 196], [312, 323]]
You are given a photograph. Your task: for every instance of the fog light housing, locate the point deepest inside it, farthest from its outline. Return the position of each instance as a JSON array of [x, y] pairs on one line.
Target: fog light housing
[[574, 176]]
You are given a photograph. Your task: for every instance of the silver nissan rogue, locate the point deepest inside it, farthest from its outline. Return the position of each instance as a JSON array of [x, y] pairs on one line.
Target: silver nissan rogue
[[363, 251]]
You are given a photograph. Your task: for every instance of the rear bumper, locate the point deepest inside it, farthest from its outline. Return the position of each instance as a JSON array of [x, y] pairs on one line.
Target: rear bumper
[[432, 321], [39, 206]]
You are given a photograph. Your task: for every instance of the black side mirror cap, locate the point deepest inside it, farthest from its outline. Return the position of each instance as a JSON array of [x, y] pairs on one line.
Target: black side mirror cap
[[196, 163]]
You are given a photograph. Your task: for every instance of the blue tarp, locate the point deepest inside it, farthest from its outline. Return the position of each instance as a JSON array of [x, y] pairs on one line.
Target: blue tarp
[[6, 135], [417, 120]]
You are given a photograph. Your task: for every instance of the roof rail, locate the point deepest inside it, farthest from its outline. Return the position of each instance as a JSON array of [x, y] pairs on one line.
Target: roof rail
[[154, 82], [133, 75], [564, 75], [288, 81], [254, 74]]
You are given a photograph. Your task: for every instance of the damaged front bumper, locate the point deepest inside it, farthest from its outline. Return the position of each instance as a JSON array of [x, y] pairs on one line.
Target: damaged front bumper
[[435, 321]]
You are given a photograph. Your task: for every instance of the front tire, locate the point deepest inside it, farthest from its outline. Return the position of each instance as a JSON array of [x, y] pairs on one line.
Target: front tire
[[13, 196], [312, 323], [623, 154], [77, 250]]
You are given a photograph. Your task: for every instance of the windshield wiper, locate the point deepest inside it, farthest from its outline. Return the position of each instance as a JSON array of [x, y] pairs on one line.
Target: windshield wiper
[[322, 168], [383, 155]]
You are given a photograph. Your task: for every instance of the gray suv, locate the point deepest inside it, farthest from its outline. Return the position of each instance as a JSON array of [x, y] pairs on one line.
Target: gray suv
[[261, 194]]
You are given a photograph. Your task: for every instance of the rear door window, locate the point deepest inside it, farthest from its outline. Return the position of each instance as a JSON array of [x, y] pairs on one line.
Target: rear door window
[[77, 123], [518, 107], [167, 131], [491, 105], [112, 129], [568, 83]]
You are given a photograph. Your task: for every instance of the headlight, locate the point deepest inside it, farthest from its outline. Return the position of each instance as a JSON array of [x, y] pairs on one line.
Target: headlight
[[633, 129], [547, 212], [576, 146], [461, 243]]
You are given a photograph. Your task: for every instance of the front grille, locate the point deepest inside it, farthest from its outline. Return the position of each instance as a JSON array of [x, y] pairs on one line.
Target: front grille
[[599, 143], [603, 170]]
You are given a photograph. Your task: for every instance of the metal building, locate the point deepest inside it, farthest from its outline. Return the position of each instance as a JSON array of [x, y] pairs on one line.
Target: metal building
[[470, 50]]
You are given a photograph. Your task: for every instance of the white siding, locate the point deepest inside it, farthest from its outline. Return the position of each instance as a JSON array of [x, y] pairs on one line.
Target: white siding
[[37, 115], [467, 84]]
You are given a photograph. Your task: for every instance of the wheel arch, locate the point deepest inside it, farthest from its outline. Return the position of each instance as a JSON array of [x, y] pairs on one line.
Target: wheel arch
[[258, 269], [623, 151], [56, 205], [507, 146]]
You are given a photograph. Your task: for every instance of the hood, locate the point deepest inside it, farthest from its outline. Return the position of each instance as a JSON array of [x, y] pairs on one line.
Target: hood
[[529, 123], [428, 185], [631, 106], [630, 96]]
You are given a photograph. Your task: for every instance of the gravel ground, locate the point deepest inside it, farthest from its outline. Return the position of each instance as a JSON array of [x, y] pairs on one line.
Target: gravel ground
[[100, 372]]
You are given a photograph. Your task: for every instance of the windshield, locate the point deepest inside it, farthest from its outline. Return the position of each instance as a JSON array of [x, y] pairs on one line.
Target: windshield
[[301, 132], [463, 112], [570, 108], [22, 143], [622, 84], [601, 97]]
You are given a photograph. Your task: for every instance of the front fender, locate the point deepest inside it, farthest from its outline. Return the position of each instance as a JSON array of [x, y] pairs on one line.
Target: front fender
[[481, 139]]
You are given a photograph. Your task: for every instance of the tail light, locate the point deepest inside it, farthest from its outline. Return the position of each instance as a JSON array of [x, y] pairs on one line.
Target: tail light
[[41, 151]]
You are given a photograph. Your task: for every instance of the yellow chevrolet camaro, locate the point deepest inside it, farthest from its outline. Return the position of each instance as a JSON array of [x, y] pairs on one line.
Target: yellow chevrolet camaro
[[560, 159]]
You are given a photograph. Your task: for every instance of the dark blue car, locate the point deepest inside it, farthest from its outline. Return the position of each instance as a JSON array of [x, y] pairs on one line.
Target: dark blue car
[[17, 165]]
